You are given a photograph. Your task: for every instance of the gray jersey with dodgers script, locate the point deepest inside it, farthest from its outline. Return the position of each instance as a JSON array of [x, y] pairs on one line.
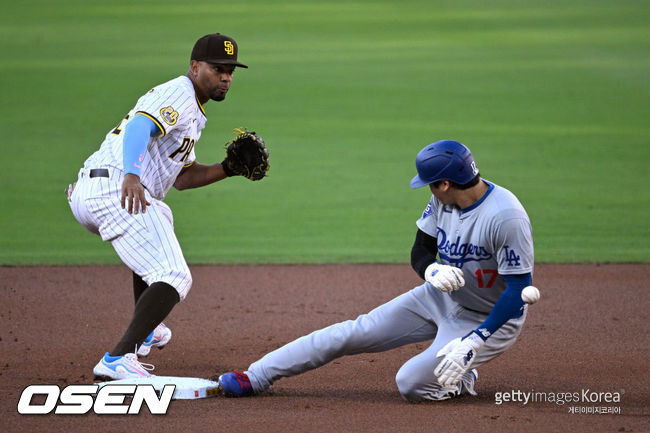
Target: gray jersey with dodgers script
[[487, 240]]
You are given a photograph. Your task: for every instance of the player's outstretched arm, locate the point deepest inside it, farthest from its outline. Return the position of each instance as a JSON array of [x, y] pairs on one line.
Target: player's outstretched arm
[[246, 156], [197, 175]]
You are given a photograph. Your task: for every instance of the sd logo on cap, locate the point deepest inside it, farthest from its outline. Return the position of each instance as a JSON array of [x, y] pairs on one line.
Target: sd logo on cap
[[216, 48]]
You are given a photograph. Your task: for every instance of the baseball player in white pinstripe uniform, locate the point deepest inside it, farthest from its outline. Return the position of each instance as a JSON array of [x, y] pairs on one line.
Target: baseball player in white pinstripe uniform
[[119, 193]]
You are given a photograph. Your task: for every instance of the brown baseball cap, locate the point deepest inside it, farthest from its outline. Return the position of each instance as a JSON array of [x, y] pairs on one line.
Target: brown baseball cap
[[216, 48]]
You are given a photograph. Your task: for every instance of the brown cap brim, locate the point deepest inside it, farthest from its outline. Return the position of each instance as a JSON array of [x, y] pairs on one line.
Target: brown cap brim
[[226, 62]]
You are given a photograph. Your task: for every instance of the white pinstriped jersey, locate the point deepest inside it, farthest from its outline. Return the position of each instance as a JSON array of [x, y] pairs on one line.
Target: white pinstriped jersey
[[174, 107], [487, 240]]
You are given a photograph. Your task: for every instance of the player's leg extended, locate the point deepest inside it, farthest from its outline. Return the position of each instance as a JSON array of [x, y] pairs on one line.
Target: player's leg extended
[[150, 248], [400, 321], [161, 335], [95, 202], [416, 379]]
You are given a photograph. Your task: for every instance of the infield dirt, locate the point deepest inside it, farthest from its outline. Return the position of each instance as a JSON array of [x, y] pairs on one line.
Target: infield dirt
[[588, 332]]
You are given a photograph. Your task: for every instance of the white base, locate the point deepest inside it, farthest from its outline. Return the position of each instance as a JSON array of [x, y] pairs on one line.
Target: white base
[[187, 388]]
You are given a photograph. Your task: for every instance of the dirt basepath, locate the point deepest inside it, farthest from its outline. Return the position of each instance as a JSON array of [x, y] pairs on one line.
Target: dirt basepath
[[588, 332]]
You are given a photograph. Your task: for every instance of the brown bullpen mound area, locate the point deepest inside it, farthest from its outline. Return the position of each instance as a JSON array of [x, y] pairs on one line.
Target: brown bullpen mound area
[[589, 333]]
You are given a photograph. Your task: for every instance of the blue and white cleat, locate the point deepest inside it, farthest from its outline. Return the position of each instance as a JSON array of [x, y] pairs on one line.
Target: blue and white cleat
[[159, 337], [121, 367], [235, 384]]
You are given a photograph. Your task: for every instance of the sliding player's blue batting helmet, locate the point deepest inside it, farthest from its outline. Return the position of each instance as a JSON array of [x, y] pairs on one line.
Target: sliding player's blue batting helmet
[[444, 160]]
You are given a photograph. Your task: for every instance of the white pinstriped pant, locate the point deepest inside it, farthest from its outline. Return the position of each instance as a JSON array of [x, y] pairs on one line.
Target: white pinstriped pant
[[146, 242]]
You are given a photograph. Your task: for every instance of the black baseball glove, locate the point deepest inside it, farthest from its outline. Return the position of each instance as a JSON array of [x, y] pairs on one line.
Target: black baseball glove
[[246, 155]]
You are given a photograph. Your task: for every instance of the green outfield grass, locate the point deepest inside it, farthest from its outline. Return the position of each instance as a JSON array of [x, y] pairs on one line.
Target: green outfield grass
[[553, 97]]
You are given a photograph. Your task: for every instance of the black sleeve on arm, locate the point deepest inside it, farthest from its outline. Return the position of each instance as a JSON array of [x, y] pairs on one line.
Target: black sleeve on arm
[[423, 253]]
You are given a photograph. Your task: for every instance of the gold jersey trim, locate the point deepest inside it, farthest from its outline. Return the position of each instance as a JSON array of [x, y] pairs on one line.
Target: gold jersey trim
[[158, 124], [200, 106]]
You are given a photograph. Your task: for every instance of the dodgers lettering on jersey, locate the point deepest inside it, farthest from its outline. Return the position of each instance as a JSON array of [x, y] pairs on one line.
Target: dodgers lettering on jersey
[[456, 253], [491, 238], [174, 107]]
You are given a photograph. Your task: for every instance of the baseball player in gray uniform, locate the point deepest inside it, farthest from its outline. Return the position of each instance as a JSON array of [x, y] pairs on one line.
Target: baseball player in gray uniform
[[470, 303], [119, 193]]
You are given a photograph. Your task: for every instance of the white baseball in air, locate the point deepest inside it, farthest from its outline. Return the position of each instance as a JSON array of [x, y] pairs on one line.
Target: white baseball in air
[[530, 294]]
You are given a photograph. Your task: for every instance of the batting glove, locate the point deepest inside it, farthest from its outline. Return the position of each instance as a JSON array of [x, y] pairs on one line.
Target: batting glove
[[444, 277], [459, 354]]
